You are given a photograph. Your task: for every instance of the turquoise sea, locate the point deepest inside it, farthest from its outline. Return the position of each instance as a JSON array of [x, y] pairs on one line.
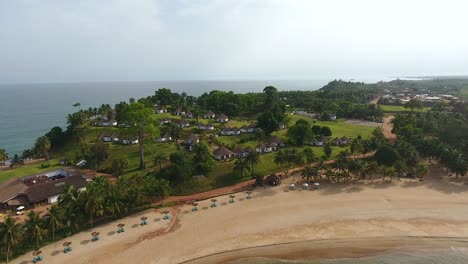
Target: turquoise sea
[[447, 256], [27, 111]]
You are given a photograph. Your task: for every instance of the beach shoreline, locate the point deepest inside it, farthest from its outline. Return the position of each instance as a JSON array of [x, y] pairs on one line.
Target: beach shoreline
[[327, 249], [372, 217]]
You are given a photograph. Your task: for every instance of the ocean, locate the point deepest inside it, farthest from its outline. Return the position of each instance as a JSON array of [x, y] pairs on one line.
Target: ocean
[[28, 111], [447, 256]]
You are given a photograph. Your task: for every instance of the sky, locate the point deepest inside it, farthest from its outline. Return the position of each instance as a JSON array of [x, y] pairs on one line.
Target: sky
[[145, 40]]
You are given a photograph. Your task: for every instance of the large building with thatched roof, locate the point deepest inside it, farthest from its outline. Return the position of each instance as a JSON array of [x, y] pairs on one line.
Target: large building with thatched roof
[[42, 188], [222, 153]]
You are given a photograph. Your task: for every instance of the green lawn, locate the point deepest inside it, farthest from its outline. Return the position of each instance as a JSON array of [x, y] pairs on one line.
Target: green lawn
[[400, 108]]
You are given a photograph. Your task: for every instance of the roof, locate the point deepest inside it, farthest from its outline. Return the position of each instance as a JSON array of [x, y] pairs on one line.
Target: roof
[[261, 146], [43, 191], [11, 189], [191, 138], [239, 150], [209, 113], [222, 116], [344, 138], [276, 140], [183, 121], [222, 151], [272, 177], [248, 149], [209, 125]]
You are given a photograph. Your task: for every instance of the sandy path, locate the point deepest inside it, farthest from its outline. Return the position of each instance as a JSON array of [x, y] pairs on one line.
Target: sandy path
[[387, 127], [379, 209]]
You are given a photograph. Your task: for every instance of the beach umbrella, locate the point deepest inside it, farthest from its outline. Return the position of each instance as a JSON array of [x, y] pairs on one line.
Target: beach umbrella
[[305, 186], [213, 203], [248, 195], [144, 220], [67, 246], [317, 185], [37, 256], [231, 200], [121, 228], [19, 208], [166, 215], [194, 207], [95, 236], [292, 186]]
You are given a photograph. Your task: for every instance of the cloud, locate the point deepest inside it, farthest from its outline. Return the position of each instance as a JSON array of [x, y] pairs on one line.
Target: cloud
[[213, 39]]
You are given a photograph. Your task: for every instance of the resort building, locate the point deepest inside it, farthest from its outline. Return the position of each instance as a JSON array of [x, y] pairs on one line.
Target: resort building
[[179, 112], [278, 141], [208, 126], [341, 141], [248, 129], [191, 141], [184, 123], [43, 188], [222, 118], [165, 138], [109, 138], [188, 114], [209, 115], [107, 123], [164, 121], [129, 141], [222, 153], [160, 110], [262, 148], [230, 131]]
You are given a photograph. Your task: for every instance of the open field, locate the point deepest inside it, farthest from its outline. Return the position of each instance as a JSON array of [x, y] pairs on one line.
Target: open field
[[337, 221], [400, 108]]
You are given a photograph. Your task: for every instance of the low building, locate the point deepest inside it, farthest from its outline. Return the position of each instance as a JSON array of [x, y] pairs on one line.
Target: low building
[[107, 123], [183, 123], [209, 115], [160, 110], [208, 126], [222, 153], [230, 131], [318, 141], [191, 141], [241, 152], [109, 138], [279, 142], [340, 141], [37, 189], [222, 118], [248, 129], [165, 138], [179, 112], [129, 141], [262, 148], [188, 114], [164, 121]]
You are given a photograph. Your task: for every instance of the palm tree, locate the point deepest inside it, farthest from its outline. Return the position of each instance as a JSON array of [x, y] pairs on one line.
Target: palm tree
[[308, 172], [422, 170], [241, 167], [309, 155], [34, 227], [329, 173], [114, 202], [16, 161], [11, 234], [159, 159], [3, 155], [93, 204], [280, 158], [253, 159], [390, 171], [161, 188], [42, 147], [55, 218]]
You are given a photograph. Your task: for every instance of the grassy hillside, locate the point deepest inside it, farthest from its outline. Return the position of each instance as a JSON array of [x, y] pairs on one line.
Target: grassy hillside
[[400, 108], [220, 176]]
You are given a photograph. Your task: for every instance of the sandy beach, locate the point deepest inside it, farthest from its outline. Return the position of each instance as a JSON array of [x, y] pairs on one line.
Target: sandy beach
[[357, 219]]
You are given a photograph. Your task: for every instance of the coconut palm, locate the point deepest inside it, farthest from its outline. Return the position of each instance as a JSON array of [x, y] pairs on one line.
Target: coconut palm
[[42, 147], [11, 234], [55, 218], [3, 155], [161, 188], [422, 170], [16, 161], [309, 155], [280, 157], [34, 227], [159, 159], [309, 172], [93, 204], [253, 159], [329, 173], [241, 167], [115, 202]]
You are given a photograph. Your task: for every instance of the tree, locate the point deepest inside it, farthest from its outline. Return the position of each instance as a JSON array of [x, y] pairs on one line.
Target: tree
[[140, 120], [309, 155], [55, 218], [16, 161], [316, 130], [309, 172], [119, 165], [93, 204], [114, 202], [241, 167], [42, 147], [253, 159], [400, 168], [268, 123], [3, 155], [158, 159], [421, 170], [202, 152], [386, 155], [327, 150], [34, 227], [11, 234], [280, 157], [326, 131], [413, 104], [299, 132]]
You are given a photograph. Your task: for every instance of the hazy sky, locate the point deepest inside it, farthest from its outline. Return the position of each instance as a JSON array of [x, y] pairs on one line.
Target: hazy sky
[[98, 40]]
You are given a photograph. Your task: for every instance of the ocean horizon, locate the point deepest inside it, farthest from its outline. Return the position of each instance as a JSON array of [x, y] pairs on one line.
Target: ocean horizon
[[28, 111]]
